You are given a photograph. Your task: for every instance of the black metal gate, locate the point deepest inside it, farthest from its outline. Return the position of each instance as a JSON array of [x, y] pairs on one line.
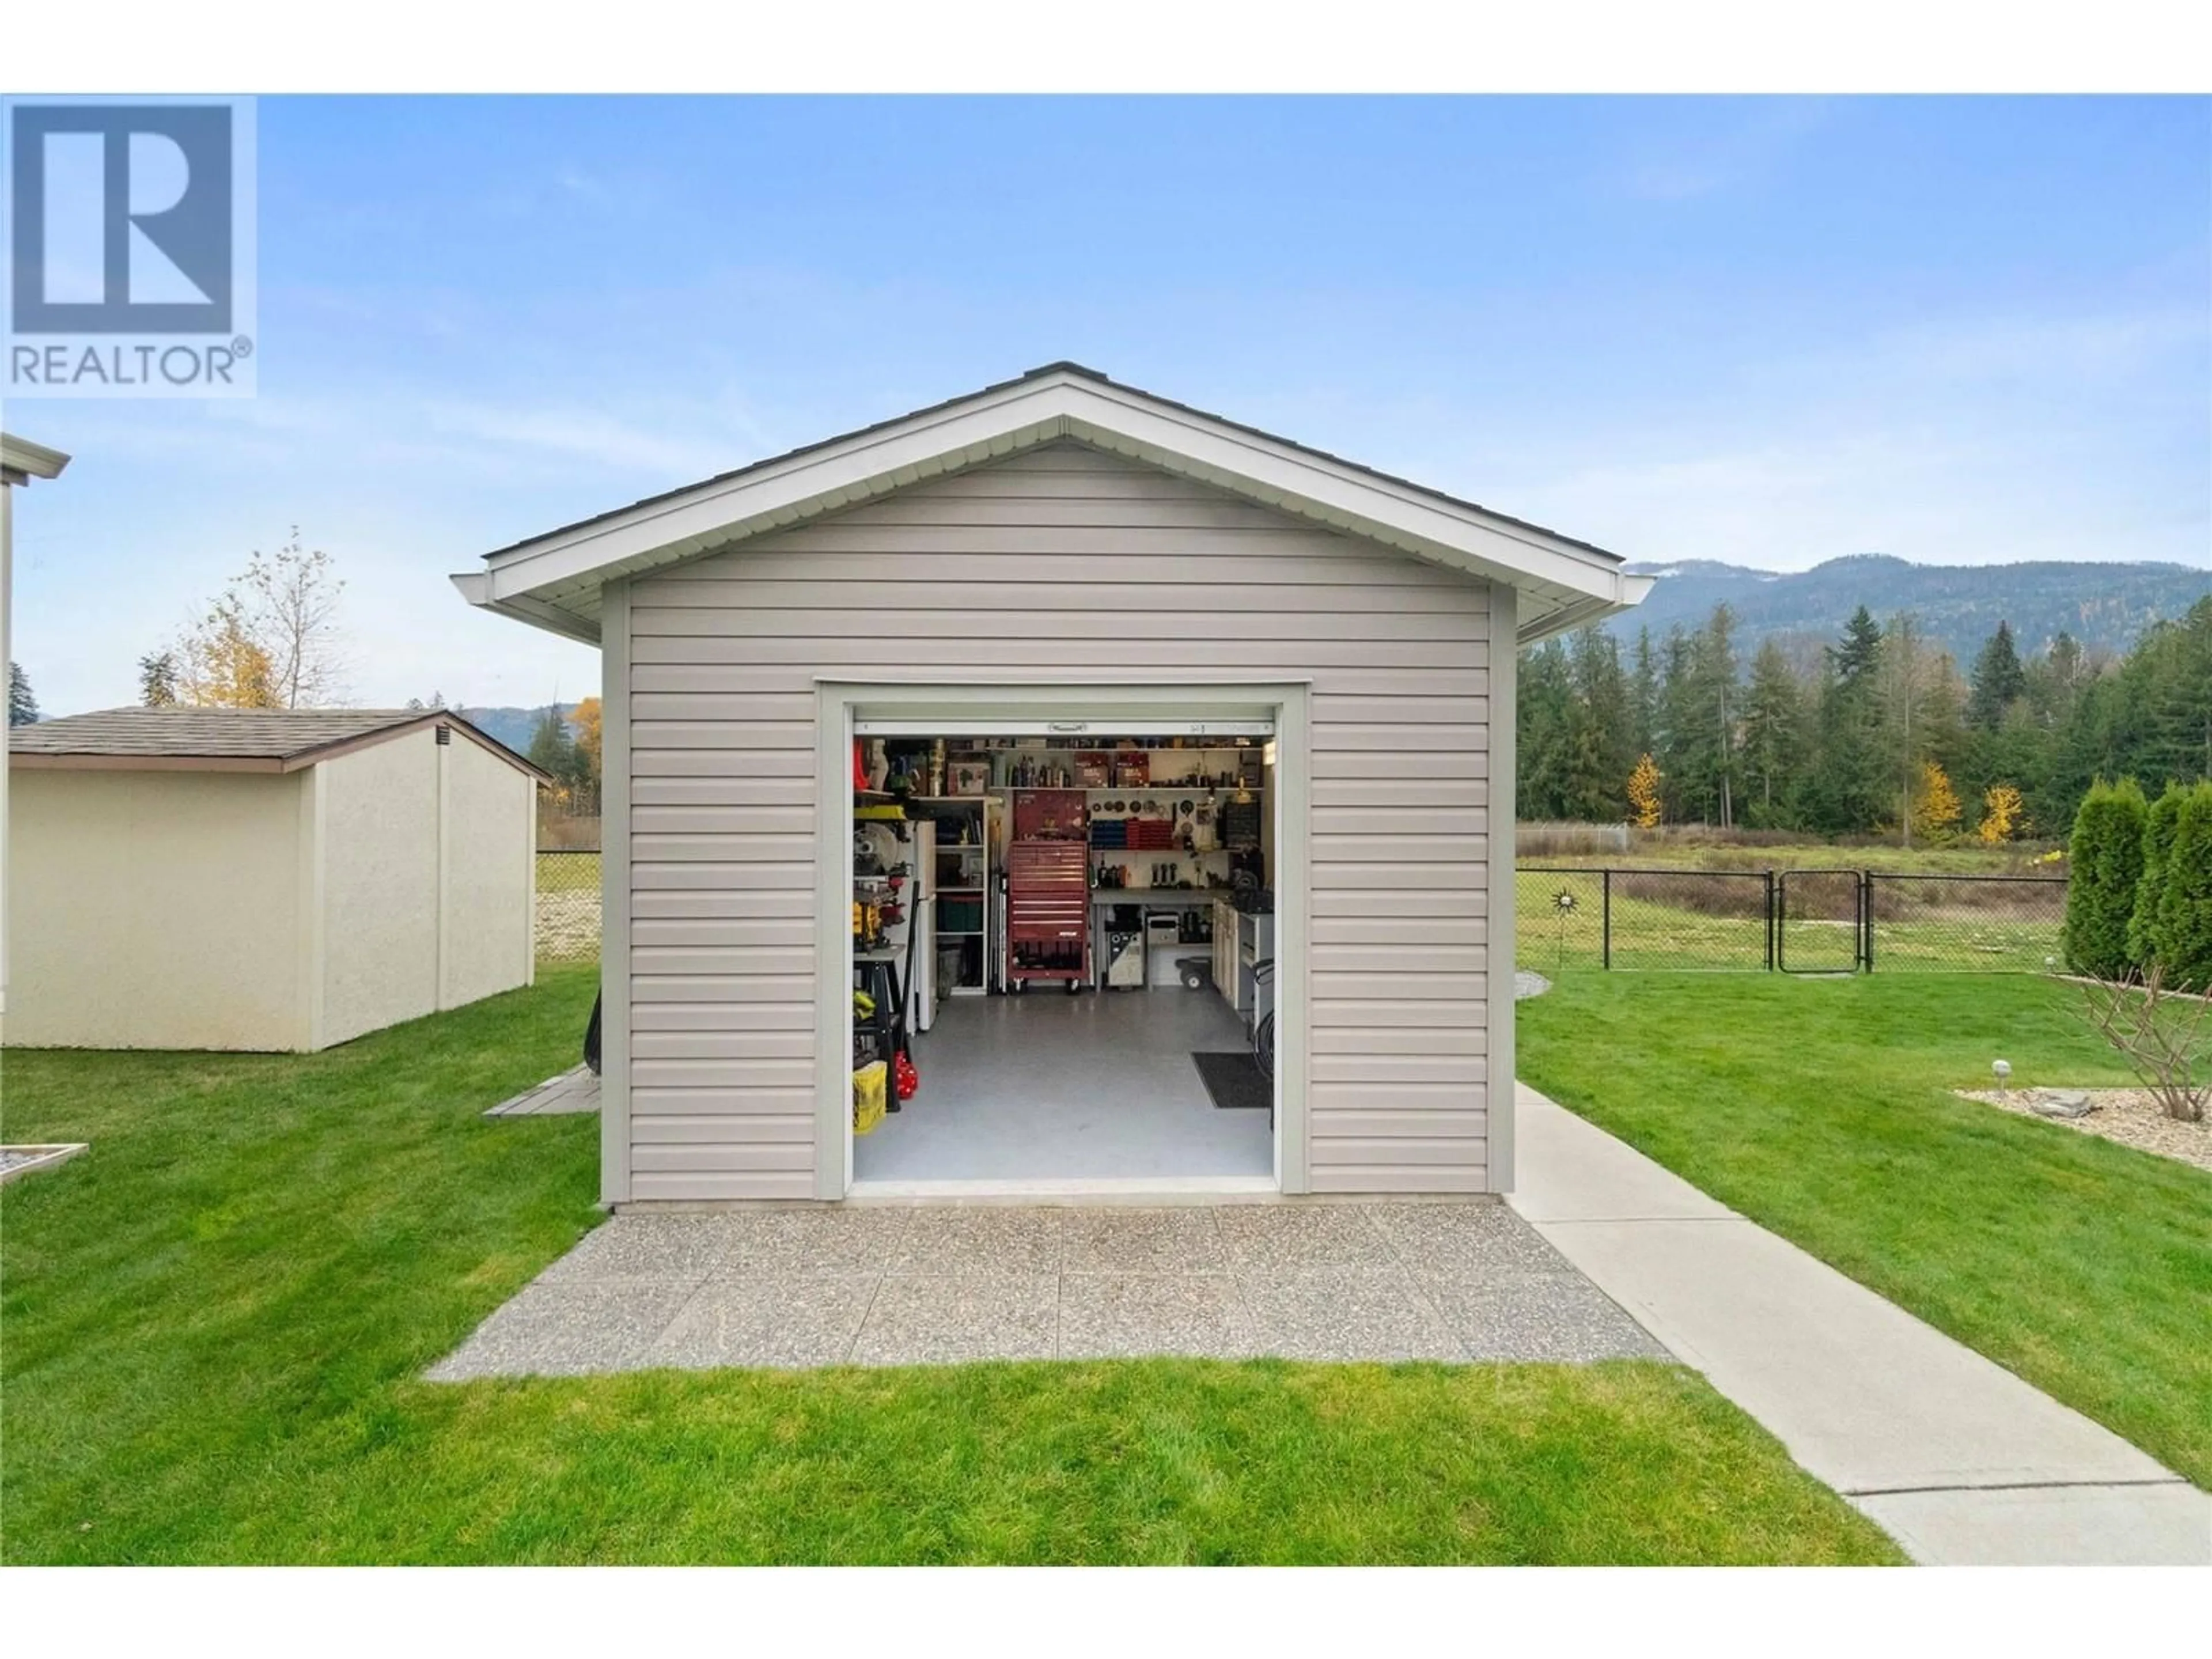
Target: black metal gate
[[1820, 922]]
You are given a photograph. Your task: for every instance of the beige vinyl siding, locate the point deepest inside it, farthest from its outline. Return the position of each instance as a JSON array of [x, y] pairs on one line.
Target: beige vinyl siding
[[1059, 565]]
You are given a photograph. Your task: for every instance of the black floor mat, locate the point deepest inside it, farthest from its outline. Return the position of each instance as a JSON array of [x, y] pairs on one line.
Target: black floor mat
[[1235, 1080]]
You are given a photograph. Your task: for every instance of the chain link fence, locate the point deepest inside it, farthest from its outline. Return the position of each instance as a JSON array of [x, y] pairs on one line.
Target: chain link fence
[[1807, 921], [567, 920]]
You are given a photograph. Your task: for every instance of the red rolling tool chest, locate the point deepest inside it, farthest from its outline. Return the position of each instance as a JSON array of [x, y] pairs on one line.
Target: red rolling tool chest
[[1048, 888]]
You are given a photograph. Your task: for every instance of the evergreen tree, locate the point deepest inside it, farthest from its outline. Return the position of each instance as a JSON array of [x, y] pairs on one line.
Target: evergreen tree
[[1673, 718], [1847, 789], [1644, 695], [552, 746], [2159, 825], [1712, 747], [157, 679], [2105, 867], [2181, 920], [1544, 693], [1600, 753], [1998, 681], [22, 702], [1774, 736]]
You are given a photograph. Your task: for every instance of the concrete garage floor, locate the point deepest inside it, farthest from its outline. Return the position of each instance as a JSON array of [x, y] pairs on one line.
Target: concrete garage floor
[[940, 1284], [1049, 1086]]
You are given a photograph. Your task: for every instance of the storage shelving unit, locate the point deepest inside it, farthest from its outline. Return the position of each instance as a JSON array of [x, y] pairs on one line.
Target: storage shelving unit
[[964, 890]]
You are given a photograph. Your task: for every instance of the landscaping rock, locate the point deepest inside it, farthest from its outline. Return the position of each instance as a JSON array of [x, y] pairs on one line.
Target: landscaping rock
[[2061, 1103], [1525, 984]]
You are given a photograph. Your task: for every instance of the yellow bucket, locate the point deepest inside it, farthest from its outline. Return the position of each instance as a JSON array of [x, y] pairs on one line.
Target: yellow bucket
[[870, 1084]]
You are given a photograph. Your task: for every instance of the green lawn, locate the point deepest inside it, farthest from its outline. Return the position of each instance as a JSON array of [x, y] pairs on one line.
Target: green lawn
[[1820, 1108], [1680, 923], [213, 1323]]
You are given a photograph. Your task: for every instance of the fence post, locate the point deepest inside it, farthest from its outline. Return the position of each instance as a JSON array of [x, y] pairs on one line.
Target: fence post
[[1773, 921], [1866, 920], [1605, 909]]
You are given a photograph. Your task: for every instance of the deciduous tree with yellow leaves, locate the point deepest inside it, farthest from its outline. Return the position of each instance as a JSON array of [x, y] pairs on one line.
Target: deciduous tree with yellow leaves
[[2004, 815], [1936, 805], [1646, 799]]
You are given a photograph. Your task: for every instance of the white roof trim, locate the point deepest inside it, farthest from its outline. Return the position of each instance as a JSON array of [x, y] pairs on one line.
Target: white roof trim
[[552, 582], [21, 459]]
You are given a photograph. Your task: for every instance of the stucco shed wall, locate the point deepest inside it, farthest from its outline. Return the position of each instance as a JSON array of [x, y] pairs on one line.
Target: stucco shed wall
[[156, 911]]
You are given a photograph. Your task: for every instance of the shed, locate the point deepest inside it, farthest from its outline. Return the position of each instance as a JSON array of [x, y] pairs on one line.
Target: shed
[[262, 878], [1058, 563]]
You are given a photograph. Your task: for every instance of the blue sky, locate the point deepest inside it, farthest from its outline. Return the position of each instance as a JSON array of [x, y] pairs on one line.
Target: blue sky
[[1773, 331]]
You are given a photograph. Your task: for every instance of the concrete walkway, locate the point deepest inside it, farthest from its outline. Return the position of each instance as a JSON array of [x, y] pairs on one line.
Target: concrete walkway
[[937, 1284], [1961, 1460], [575, 1090]]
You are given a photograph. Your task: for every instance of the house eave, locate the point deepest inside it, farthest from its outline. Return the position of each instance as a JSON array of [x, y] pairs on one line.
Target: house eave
[[553, 582], [21, 460]]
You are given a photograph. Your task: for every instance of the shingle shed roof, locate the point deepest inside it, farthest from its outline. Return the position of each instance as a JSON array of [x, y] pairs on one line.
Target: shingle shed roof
[[227, 739]]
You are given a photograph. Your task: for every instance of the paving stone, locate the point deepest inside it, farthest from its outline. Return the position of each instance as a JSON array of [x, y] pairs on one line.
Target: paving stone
[[1344, 1314], [1112, 1316], [1474, 1240], [940, 1319], [1167, 1240], [964, 1237], [1559, 1317], [567, 1330], [1261, 1237], [792, 1322]]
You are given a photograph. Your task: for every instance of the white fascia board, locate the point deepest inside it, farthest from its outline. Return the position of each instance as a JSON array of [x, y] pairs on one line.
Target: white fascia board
[[1564, 618], [818, 481], [21, 455], [532, 581], [475, 587], [1376, 508]]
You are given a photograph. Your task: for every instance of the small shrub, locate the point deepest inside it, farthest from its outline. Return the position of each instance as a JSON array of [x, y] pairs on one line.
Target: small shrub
[[2179, 933], [2106, 856], [2160, 1035]]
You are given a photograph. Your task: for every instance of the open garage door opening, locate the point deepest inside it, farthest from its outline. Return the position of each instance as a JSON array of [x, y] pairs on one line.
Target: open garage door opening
[[1063, 952]]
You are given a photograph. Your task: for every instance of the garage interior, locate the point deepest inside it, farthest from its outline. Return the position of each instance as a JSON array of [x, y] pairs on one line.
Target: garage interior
[[1062, 961]]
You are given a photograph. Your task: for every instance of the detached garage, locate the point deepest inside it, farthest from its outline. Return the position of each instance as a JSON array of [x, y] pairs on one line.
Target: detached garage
[[1058, 791], [261, 879]]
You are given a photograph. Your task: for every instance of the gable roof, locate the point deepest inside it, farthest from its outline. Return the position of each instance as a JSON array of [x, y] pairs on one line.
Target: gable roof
[[554, 580], [228, 740]]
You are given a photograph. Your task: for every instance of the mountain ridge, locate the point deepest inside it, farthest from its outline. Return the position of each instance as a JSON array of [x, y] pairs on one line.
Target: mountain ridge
[[2105, 605]]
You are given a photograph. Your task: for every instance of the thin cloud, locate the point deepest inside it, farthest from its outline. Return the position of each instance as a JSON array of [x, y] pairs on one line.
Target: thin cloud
[[1752, 145]]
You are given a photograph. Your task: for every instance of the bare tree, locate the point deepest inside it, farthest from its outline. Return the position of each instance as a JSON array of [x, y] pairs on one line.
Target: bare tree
[[270, 641], [2159, 1033], [292, 598]]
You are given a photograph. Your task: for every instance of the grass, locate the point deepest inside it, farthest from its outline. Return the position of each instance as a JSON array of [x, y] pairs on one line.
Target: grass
[[1821, 1110], [214, 1321], [1721, 923]]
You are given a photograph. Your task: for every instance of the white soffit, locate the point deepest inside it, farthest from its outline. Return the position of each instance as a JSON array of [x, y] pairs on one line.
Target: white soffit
[[554, 580]]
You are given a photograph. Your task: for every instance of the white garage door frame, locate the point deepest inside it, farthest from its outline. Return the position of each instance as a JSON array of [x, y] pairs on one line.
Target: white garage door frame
[[1109, 709]]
